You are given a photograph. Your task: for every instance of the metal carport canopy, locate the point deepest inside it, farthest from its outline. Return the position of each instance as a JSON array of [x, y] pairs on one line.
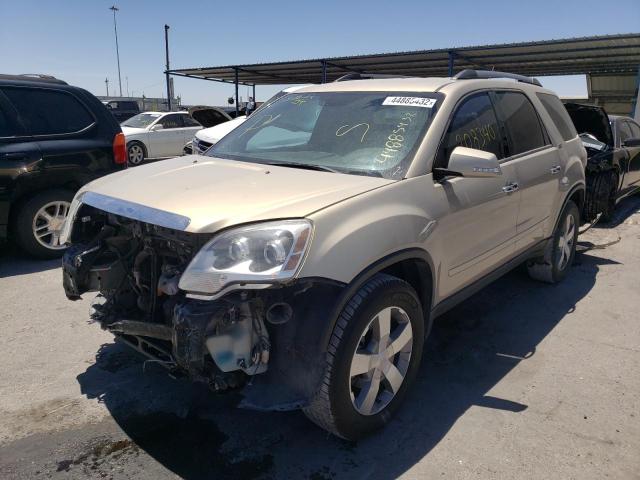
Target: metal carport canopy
[[573, 56]]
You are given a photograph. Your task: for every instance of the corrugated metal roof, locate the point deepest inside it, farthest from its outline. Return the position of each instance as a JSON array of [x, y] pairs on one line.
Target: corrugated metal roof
[[600, 54]]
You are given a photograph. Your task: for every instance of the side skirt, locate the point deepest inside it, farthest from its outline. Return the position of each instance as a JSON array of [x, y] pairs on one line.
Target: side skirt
[[458, 297]]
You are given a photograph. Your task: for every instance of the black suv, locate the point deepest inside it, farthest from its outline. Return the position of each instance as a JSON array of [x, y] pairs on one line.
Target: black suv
[[123, 109], [54, 138]]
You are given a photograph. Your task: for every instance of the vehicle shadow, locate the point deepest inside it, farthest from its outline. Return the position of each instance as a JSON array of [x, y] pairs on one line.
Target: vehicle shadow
[[13, 262], [196, 434]]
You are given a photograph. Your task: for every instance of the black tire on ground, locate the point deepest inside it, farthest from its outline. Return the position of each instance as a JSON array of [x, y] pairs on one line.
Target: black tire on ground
[[23, 222], [602, 188], [552, 267], [136, 152], [332, 407]]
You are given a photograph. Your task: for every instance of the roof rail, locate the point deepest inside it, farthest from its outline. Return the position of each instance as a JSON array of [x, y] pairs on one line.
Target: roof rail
[[469, 74], [366, 76], [33, 77]]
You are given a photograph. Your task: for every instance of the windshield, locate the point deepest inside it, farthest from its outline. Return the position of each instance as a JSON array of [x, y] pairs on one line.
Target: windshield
[[365, 133], [142, 120]]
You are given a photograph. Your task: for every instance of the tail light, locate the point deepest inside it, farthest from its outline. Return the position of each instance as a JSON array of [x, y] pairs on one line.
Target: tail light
[[119, 149]]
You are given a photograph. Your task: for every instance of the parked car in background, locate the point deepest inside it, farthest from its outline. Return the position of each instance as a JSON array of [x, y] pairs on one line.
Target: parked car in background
[[164, 134], [123, 109], [613, 148], [305, 260], [54, 138], [203, 139]]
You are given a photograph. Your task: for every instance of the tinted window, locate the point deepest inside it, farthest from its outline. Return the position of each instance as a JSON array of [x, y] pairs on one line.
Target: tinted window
[[635, 129], [558, 114], [190, 122], [7, 129], [521, 120], [474, 125], [129, 105], [171, 121], [47, 112]]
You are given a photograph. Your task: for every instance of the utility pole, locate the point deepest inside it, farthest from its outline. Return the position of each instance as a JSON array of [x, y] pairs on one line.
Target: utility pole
[[115, 29], [106, 82], [166, 48], [126, 79]]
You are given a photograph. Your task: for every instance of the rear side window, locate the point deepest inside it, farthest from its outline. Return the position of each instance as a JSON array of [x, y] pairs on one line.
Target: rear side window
[[7, 129], [558, 114], [49, 112], [625, 131], [521, 121], [474, 125]]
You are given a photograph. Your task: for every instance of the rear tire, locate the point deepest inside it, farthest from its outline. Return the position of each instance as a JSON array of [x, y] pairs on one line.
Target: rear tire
[[558, 256], [38, 223], [136, 152], [372, 359]]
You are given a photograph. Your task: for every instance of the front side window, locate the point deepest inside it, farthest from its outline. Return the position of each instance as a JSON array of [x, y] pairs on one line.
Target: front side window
[[366, 133], [142, 120], [49, 112], [558, 114], [635, 129], [473, 125], [173, 120], [625, 131], [521, 121]]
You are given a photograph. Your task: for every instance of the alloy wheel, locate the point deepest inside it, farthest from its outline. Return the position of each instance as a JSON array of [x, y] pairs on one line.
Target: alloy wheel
[[48, 223], [381, 360], [136, 154], [565, 242]]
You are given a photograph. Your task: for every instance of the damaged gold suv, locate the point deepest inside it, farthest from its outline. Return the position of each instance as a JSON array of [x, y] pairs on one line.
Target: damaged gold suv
[[313, 246]]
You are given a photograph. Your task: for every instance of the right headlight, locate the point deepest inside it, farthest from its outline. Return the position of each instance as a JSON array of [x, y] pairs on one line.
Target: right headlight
[[262, 253]]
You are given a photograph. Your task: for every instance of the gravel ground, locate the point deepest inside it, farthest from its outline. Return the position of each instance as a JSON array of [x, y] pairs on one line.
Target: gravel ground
[[523, 380]]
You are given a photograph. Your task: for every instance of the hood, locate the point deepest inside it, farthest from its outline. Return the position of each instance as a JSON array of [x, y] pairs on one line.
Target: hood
[[208, 116], [591, 120], [213, 134], [213, 193], [128, 131]]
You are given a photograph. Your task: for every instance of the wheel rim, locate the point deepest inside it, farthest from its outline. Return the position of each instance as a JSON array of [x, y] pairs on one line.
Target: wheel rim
[[565, 242], [381, 360], [48, 223], [136, 154]]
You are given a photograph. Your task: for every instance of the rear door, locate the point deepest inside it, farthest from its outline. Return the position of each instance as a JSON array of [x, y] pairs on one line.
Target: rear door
[[480, 227], [536, 163]]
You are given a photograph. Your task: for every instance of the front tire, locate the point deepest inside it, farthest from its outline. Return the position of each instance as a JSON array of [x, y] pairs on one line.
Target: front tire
[[38, 223], [372, 359], [136, 152], [561, 249]]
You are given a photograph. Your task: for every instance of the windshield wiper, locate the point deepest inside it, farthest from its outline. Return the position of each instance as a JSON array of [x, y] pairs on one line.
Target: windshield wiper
[[305, 166]]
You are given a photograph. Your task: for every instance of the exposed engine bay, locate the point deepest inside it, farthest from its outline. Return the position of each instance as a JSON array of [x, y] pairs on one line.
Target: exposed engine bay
[[136, 268]]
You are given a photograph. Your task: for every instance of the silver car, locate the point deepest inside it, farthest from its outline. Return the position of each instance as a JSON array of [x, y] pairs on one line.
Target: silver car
[[312, 247]]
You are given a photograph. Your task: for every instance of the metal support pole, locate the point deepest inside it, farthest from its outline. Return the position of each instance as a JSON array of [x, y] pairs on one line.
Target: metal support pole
[[236, 82], [115, 29], [452, 60], [106, 82], [635, 111], [166, 48], [324, 71], [254, 93]]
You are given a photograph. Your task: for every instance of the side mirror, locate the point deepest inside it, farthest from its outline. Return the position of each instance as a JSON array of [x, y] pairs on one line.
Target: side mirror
[[631, 142], [471, 163], [156, 127]]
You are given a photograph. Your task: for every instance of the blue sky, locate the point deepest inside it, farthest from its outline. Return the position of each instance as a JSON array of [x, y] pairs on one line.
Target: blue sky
[[74, 39]]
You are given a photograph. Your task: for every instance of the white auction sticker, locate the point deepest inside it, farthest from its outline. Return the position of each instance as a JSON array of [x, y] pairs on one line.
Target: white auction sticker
[[410, 102]]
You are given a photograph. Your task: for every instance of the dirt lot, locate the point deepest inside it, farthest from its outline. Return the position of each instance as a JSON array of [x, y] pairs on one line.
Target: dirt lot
[[523, 380]]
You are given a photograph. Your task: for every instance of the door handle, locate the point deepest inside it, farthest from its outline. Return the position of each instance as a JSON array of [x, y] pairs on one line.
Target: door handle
[[14, 156], [511, 187], [555, 169]]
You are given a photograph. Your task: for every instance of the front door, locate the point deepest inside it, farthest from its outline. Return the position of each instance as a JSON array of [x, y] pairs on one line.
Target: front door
[[169, 140], [480, 227]]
